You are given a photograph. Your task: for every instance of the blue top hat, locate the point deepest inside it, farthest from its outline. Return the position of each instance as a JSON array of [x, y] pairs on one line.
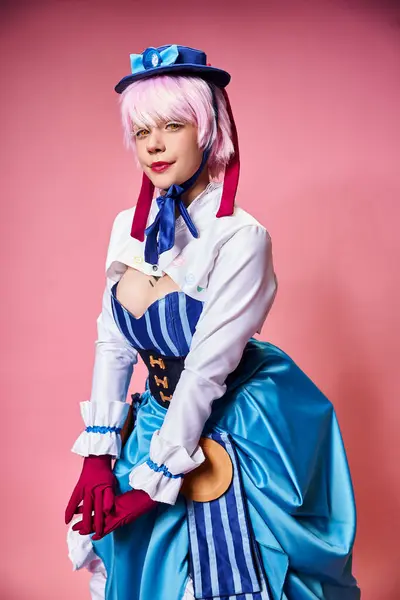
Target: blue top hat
[[178, 60]]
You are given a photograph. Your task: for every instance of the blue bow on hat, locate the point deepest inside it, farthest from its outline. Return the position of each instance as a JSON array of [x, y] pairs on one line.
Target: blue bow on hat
[[151, 58]]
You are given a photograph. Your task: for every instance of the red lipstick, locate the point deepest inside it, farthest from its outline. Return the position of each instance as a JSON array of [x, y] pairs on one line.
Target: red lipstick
[[160, 167]]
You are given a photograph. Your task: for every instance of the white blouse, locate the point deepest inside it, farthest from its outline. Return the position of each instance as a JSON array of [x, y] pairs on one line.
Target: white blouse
[[230, 268]]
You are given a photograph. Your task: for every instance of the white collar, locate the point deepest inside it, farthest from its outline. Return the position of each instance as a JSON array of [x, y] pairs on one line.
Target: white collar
[[202, 210], [129, 251]]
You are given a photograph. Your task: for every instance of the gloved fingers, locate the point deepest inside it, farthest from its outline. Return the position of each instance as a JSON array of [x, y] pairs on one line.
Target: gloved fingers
[[108, 500], [98, 511], [110, 524], [96, 537], [128, 507], [87, 512], [77, 526], [74, 501]]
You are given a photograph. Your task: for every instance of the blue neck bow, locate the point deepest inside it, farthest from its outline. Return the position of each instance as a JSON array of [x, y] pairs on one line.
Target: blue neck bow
[[161, 233]]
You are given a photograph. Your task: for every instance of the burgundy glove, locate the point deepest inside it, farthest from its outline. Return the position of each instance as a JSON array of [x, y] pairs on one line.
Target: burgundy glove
[[96, 487], [128, 507]]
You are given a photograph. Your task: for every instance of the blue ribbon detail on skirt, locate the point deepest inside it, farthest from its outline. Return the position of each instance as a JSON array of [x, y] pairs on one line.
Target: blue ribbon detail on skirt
[[225, 560]]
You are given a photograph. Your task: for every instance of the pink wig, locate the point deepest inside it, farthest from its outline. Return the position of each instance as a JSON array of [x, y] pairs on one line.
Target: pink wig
[[147, 102]]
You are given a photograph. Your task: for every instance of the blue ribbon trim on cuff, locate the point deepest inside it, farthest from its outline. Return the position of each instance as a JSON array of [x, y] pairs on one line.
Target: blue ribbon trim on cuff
[[162, 469], [102, 429]]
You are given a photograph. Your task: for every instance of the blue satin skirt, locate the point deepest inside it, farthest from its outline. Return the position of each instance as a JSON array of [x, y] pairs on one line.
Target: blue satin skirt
[[295, 477]]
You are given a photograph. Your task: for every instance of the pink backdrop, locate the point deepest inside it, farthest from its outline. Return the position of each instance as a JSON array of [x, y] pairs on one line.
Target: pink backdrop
[[316, 95]]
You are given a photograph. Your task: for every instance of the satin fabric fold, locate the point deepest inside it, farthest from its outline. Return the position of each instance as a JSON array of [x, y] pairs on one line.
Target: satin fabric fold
[[161, 233], [295, 477]]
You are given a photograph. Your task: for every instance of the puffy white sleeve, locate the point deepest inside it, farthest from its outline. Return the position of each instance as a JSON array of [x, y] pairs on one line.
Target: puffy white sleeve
[[106, 412], [241, 290]]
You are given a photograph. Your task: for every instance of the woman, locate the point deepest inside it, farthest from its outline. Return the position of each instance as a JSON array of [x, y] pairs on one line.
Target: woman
[[189, 281]]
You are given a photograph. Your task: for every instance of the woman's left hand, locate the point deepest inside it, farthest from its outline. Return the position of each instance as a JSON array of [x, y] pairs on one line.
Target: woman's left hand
[[128, 507]]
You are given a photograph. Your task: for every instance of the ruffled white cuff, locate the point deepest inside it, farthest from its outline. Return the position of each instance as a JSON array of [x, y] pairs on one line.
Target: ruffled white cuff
[[103, 424], [80, 548], [162, 475]]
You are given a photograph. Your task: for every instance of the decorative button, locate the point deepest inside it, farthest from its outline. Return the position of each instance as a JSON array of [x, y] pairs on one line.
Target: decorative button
[[163, 382], [137, 259], [189, 278], [158, 362], [178, 262], [151, 58], [155, 268]]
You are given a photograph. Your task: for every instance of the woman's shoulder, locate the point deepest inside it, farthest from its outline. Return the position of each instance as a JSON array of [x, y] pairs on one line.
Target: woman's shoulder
[[122, 222], [241, 225], [123, 250], [245, 219]]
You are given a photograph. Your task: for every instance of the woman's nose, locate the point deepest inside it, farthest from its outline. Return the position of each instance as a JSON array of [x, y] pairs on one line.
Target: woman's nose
[[155, 142]]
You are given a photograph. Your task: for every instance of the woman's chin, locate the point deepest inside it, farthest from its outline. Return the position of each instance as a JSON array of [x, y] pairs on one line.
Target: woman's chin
[[162, 181]]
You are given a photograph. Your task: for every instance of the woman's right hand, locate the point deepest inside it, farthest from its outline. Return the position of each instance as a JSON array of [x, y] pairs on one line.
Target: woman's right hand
[[96, 488], [128, 507]]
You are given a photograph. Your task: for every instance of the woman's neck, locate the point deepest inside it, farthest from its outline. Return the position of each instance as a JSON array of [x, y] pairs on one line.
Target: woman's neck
[[196, 189]]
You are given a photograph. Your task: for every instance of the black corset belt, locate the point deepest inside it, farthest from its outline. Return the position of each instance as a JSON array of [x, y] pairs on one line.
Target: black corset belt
[[164, 373]]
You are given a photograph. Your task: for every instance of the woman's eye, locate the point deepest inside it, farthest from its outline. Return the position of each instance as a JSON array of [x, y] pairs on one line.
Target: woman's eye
[[174, 126], [141, 133]]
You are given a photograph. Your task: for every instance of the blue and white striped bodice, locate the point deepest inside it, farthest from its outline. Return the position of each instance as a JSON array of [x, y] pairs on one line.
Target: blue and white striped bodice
[[167, 326]]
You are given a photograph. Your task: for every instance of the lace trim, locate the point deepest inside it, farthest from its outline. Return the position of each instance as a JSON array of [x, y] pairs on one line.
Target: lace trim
[[163, 469], [102, 429]]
